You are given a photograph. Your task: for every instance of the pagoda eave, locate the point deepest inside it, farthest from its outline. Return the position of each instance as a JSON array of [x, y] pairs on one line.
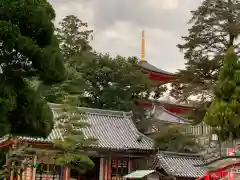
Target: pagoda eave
[[156, 74], [177, 109], [163, 78]]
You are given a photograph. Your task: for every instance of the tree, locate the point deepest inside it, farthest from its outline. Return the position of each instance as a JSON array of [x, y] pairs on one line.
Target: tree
[[16, 161], [174, 138], [28, 48], [74, 40], [224, 111], [114, 83], [215, 26], [74, 37], [73, 147], [101, 81]]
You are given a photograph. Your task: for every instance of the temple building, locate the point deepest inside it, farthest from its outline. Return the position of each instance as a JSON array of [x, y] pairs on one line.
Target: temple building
[[120, 149]]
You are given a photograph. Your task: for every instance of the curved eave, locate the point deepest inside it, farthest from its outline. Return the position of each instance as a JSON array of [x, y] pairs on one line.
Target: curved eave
[[174, 108], [155, 73], [151, 68], [157, 77], [8, 141]]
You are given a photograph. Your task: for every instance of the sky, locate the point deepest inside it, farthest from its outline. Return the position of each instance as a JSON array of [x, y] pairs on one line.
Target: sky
[[117, 26]]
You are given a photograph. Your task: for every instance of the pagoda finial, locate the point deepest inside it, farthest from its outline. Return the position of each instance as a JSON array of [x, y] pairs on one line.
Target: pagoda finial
[[143, 46]]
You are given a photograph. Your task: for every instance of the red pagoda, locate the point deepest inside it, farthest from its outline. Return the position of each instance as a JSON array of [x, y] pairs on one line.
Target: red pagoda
[[162, 77]]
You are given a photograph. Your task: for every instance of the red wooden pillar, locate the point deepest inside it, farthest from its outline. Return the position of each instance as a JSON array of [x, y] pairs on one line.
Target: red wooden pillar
[[66, 174], [117, 168], [104, 169], [109, 168]]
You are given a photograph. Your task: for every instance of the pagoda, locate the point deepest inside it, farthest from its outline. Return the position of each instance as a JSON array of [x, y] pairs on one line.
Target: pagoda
[[161, 77]]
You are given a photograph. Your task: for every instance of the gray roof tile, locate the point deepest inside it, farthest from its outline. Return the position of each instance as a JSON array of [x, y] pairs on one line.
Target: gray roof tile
[[112, 129], [161, 114], [181, 164], [145, 65]]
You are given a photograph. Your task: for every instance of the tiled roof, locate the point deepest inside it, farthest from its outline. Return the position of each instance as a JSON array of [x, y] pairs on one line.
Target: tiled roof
[[112, 129], [29, 139], [161, 114], [145, 65], [181, 164]]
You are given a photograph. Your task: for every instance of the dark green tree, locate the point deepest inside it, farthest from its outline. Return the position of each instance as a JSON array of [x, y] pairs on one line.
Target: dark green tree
[[16, 162], [224, 111], [74, 37], [114, 83], [215, 27], [73, 147], [99, 80], [174, 138], [74, 41], [28, 48]]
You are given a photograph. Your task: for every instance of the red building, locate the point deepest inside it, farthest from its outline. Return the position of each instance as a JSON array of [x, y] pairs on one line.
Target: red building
[[119, 150], [162, 77]]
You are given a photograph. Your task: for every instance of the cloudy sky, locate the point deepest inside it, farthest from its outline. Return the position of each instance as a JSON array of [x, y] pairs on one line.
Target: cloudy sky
[[118, 24]]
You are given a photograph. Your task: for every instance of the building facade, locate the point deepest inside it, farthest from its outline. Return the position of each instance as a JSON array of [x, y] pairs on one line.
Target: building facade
[[120, 148]]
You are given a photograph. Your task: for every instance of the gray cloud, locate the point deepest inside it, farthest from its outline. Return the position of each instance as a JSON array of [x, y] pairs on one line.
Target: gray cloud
[[117, 26]]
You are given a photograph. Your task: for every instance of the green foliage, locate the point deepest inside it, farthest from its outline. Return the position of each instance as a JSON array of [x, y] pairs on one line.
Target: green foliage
[[174, 138], [113, 83], [15, 161], [215, 26], [28, 48], [98, 80], [73, 146], [74, 36], [224, 112]]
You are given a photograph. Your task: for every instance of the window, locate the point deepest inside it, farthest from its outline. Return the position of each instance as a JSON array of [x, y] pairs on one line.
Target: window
[[119, 168]]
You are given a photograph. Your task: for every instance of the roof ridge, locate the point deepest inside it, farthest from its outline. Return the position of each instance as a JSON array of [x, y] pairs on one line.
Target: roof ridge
[[173, 114], [150, 67], [164, 153], [172, 103], [98, 111]]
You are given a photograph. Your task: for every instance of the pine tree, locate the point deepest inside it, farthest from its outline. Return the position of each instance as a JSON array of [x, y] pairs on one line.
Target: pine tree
[[174, 138], [16, 161], [74, 36], [224, 111], [73, 147], [97, 80], [28, 48], [215, 27]]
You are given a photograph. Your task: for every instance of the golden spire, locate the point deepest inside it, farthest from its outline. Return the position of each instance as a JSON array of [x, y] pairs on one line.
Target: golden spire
[[143, 47]]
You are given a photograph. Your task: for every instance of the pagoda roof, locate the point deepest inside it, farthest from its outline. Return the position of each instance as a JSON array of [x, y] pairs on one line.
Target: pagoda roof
[[149, 67], [163, 115], [181, 164], [113, 130]]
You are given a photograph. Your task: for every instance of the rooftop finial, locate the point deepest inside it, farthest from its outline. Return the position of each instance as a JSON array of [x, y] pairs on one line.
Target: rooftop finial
[[143, 46]]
